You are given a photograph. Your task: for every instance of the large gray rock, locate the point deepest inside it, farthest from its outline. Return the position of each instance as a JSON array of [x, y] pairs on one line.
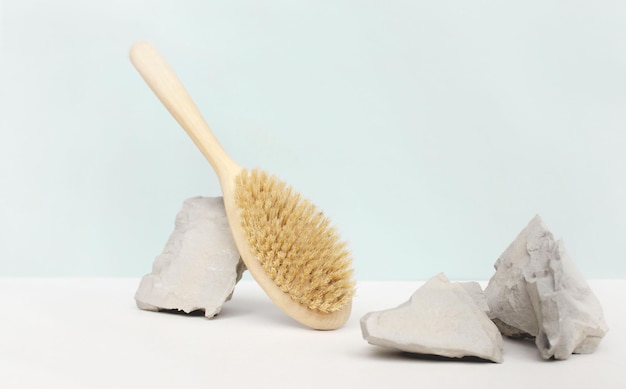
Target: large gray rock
[[199, 266], [440, 318], [537, 291]]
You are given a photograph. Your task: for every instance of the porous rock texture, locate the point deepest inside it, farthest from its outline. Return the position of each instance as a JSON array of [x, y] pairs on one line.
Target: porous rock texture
[[440, 318], [199, 266], [537, 291]]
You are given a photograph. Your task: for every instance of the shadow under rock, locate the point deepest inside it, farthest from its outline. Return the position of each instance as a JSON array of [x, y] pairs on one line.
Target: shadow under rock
[[396, 355], [525, 346], [259, 308], [197, 312]]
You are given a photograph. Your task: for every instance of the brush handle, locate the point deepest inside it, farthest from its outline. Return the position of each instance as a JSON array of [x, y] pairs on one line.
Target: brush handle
[[167, 87]]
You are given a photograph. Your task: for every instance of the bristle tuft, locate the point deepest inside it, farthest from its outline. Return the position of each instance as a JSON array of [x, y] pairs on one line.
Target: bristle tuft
[[294, 242]]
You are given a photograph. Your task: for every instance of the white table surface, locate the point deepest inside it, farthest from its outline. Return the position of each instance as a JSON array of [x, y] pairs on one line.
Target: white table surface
[[88, 333]]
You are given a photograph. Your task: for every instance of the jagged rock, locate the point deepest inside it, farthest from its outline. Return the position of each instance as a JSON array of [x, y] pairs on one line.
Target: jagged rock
[[199, 266], [439, 319], [476, 293], [537, 291]]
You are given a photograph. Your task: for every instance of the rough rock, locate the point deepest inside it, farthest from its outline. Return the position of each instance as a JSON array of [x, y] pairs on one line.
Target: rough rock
[[475, 291], [440, 318], [199, 266], [537, 291]]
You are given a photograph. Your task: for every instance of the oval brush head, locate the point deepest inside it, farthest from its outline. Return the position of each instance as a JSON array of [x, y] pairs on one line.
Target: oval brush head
[[294, 242], [287, 244]]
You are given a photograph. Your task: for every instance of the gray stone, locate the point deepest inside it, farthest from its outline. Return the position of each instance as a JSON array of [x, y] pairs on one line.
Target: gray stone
[[537, 291], [199, 266], [475, 291], [440, 318]]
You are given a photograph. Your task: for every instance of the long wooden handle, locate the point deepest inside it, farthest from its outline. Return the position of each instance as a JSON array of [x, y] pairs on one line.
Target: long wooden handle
[[167, 87]]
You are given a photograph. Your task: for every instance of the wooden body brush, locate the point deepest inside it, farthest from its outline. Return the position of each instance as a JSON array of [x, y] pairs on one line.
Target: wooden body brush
[[287, 244]]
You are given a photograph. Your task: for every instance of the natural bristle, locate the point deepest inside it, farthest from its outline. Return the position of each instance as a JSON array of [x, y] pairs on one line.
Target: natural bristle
[[294, 242]]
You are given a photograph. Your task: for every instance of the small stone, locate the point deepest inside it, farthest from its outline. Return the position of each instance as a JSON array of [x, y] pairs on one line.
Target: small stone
[[199, 266], [537, 291], [439, 319]]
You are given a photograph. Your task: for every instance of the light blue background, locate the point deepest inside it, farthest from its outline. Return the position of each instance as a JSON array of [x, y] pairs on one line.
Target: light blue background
[[430, 132]]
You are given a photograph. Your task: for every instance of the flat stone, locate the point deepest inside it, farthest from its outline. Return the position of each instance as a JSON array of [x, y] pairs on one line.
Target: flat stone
[[199, 266], [440, 318], [537, 291]]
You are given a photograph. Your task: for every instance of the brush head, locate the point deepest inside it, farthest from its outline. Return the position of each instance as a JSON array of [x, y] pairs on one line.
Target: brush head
[[294, 242]]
